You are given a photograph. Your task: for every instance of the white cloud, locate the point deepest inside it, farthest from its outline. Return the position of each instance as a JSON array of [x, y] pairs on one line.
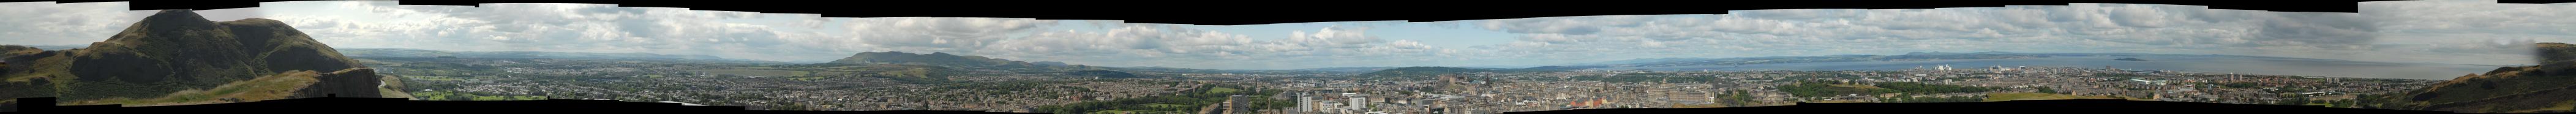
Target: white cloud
[[50, 23]]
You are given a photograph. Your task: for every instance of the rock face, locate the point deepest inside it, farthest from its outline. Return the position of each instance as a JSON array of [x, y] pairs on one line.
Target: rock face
[[2504, 90], [7, 51], [175, 50], [343, 89]]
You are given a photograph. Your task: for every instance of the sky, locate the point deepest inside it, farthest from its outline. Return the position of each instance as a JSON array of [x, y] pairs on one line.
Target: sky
[[2434, 31]]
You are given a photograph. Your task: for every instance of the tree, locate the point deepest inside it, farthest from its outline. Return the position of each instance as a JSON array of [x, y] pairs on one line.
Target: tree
[[2046, 90]]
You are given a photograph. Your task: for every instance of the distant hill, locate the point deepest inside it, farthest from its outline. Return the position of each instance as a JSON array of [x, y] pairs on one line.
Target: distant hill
[[1105, 74], [941, 59], [1553, 68], [420, 53], [176, 56], [952, 61], [1207, 71], [2520, 89], [2130, 59], [1348, 69], [1049, 63]]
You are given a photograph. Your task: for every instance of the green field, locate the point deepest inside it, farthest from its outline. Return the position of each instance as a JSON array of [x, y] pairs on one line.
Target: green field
[[745, 72], [1161, 105], [1222, 90]]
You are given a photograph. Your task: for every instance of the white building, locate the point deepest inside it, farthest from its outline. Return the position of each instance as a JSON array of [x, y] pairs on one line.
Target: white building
[[1305, 104], [1358, 101]]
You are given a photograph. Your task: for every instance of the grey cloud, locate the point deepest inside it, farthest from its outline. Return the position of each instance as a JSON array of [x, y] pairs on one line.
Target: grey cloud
[[2026, 28], [938, 34]]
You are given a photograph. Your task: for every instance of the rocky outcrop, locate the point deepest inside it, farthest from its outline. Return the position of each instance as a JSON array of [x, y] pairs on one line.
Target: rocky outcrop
[[15, 50], [327, 88]]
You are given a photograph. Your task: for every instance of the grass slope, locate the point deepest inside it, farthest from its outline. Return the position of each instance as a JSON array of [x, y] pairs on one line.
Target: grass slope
[[272, 87]]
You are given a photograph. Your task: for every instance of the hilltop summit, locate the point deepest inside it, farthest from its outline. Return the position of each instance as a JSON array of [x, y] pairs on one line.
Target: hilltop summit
[[174, 51]]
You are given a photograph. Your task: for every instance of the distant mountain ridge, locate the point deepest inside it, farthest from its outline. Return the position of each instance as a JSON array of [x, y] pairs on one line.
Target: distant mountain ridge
[[938, 59], [162, 58]]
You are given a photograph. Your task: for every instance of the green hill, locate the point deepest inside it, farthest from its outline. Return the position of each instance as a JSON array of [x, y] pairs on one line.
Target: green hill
[[15, 50], [934, 58], [176, 50], [2506, 89]]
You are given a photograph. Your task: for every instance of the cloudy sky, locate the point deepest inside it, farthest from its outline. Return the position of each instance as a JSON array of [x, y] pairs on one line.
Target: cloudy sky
[[2457, 32]]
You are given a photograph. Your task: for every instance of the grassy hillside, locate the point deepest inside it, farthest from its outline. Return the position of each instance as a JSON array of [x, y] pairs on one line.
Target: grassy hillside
[[177, 57], [2508, 89], [14, 50], [899, 72], [393, 87], [272, 87]]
